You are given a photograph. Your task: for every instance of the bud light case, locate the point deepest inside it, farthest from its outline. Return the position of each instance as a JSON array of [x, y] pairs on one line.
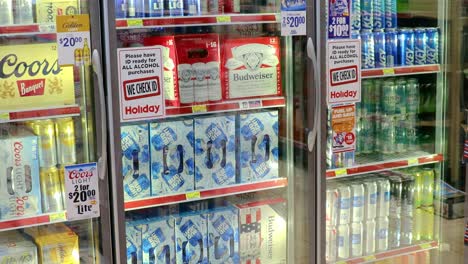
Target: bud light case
[[172, 157], [20, 192], [133, 241], [191, 238], [251, 67], [135, 161], [258, 152], [223, 235], [215, 152], [158, 244]]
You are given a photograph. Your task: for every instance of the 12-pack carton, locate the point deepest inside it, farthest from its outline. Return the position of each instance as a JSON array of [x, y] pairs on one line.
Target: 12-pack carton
[[258, 146], [16, 248], [215, 158], [172, 157], [191, 238], [135, 161], [133, 241], [223, 235], [20, 191]]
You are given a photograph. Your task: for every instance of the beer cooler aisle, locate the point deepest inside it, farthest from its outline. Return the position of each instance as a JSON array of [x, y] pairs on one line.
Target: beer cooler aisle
[[386, 151], [50, 194], [201, 130]]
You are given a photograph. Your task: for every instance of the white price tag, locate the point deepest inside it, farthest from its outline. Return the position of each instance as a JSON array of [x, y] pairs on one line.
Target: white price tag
[[81, 191], [293, 23], [73, 40]]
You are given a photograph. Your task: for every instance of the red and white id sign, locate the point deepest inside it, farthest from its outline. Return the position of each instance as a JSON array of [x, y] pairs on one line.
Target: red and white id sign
[[141, 83], [344, 71]]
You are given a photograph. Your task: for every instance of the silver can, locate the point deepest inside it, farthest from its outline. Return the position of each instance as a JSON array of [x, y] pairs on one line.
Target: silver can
[[345, 204], [396, 186], [6, 12], [343, 241], [381, 234], [369, 237], [383, 199], [357, 190], [23, 12], [406, 238], [331, 249], [356, 239], [332, 206], [371, 196], [394, 232]]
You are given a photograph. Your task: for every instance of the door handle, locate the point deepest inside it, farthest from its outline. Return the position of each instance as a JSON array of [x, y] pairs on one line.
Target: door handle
[[312, 135], [102, 161]]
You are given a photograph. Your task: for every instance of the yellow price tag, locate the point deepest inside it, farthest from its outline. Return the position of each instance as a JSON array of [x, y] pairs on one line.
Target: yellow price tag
[[369, 258], [341, 172], [389, 71], [425, 246], [192, 195], [4, 116], [60, 216], [199, 108], [341, 262], [135, 22], [223, 19], [412, 162]]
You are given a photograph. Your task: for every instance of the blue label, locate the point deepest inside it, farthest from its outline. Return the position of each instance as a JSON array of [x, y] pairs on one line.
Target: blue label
[[340, 241], [339, 22], [344, 203], [358, 201], [356, 239], [373, 198]]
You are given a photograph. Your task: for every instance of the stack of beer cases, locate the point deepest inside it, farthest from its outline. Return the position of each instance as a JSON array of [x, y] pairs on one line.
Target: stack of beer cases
[[208, 232]]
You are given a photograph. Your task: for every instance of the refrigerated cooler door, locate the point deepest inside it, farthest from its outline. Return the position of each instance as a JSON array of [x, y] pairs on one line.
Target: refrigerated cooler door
[[48, 125]]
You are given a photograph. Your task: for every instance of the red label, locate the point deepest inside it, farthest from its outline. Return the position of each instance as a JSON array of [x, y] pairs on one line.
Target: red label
[[31, 87], [349, 138], [141, 88], [80, 174]]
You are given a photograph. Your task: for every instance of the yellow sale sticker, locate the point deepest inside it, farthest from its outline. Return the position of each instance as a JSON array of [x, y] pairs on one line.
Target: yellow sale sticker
[[369, 258], [192, 195], [4, 116], [413, 162], [199, 108], [425, 246], [223, 19], [389, 71], [60, 216], [341, 172], [135, 22]]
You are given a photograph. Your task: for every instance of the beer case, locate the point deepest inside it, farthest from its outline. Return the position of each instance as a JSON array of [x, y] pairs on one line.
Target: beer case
[[30, 77], [215, 158], [172, 157], [198, 68], [133, 242], [258, 146], [48, 10], [251, 67], [135, 161], [171, 88], [16, 248], [262, 231], [223, 235], [20, 193], [158, 243], [191, 238], [56, 243]]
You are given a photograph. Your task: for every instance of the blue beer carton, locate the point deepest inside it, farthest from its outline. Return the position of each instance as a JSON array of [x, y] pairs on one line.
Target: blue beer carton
[[191, 238], [135, 161], [258, 146], [133, 237], [172, 157], [223, 235], [158, 244], [215, 152]]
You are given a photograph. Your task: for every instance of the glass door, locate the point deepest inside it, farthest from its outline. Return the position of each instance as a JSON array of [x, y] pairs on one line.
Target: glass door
[[48, 130], [209, 111]]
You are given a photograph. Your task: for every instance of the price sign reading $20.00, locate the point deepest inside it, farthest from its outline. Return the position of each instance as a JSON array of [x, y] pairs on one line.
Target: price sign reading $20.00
[[73, 40], [293, 23]]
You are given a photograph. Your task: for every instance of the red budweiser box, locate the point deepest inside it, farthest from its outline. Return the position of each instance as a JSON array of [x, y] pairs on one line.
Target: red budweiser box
[[171, 88], [198, 68], [251, 67]]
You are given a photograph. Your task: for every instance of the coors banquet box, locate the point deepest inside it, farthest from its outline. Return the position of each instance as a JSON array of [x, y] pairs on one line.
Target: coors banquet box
[[251, 67], [30, 77]]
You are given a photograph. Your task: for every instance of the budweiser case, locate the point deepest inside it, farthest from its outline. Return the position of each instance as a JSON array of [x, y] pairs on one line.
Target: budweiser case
[[20, 193], [191, 238], [198, 68], [135, 161], [215, 158], [258, 140], [172, 157], [251, 67], [171, 89], [30, 77], [15, 248]]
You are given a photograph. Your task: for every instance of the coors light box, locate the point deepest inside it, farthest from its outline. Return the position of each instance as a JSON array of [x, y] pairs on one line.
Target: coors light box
[[251, 67]]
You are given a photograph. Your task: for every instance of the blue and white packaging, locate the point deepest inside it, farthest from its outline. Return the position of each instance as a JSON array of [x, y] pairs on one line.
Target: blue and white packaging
[[191, 238], [258, 146], [20, 191], [172, 157], [223, 235], [158, 243], [215, 152], [135, 161], [133, 237]]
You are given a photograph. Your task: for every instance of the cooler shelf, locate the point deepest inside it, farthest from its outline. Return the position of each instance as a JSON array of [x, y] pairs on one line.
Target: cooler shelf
[[400, 71], [221, 19], [30, 221], [42, 113], [205, 194], [391, 253], [370, 164], [247, 104]]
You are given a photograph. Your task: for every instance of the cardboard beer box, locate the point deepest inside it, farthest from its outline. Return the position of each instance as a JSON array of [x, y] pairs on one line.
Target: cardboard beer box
[[56, 243], [135, 161], [191, 238], [251, 67], [172, 157], [171, 88], [30, 77], [223, 235], [16, 248], [158, 240], [48, 10], [133, 241], [199, 75], [215, 152], [20, 191]]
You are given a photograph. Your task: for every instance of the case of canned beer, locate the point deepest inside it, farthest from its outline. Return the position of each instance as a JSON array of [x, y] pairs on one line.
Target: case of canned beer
[[16, 248]]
